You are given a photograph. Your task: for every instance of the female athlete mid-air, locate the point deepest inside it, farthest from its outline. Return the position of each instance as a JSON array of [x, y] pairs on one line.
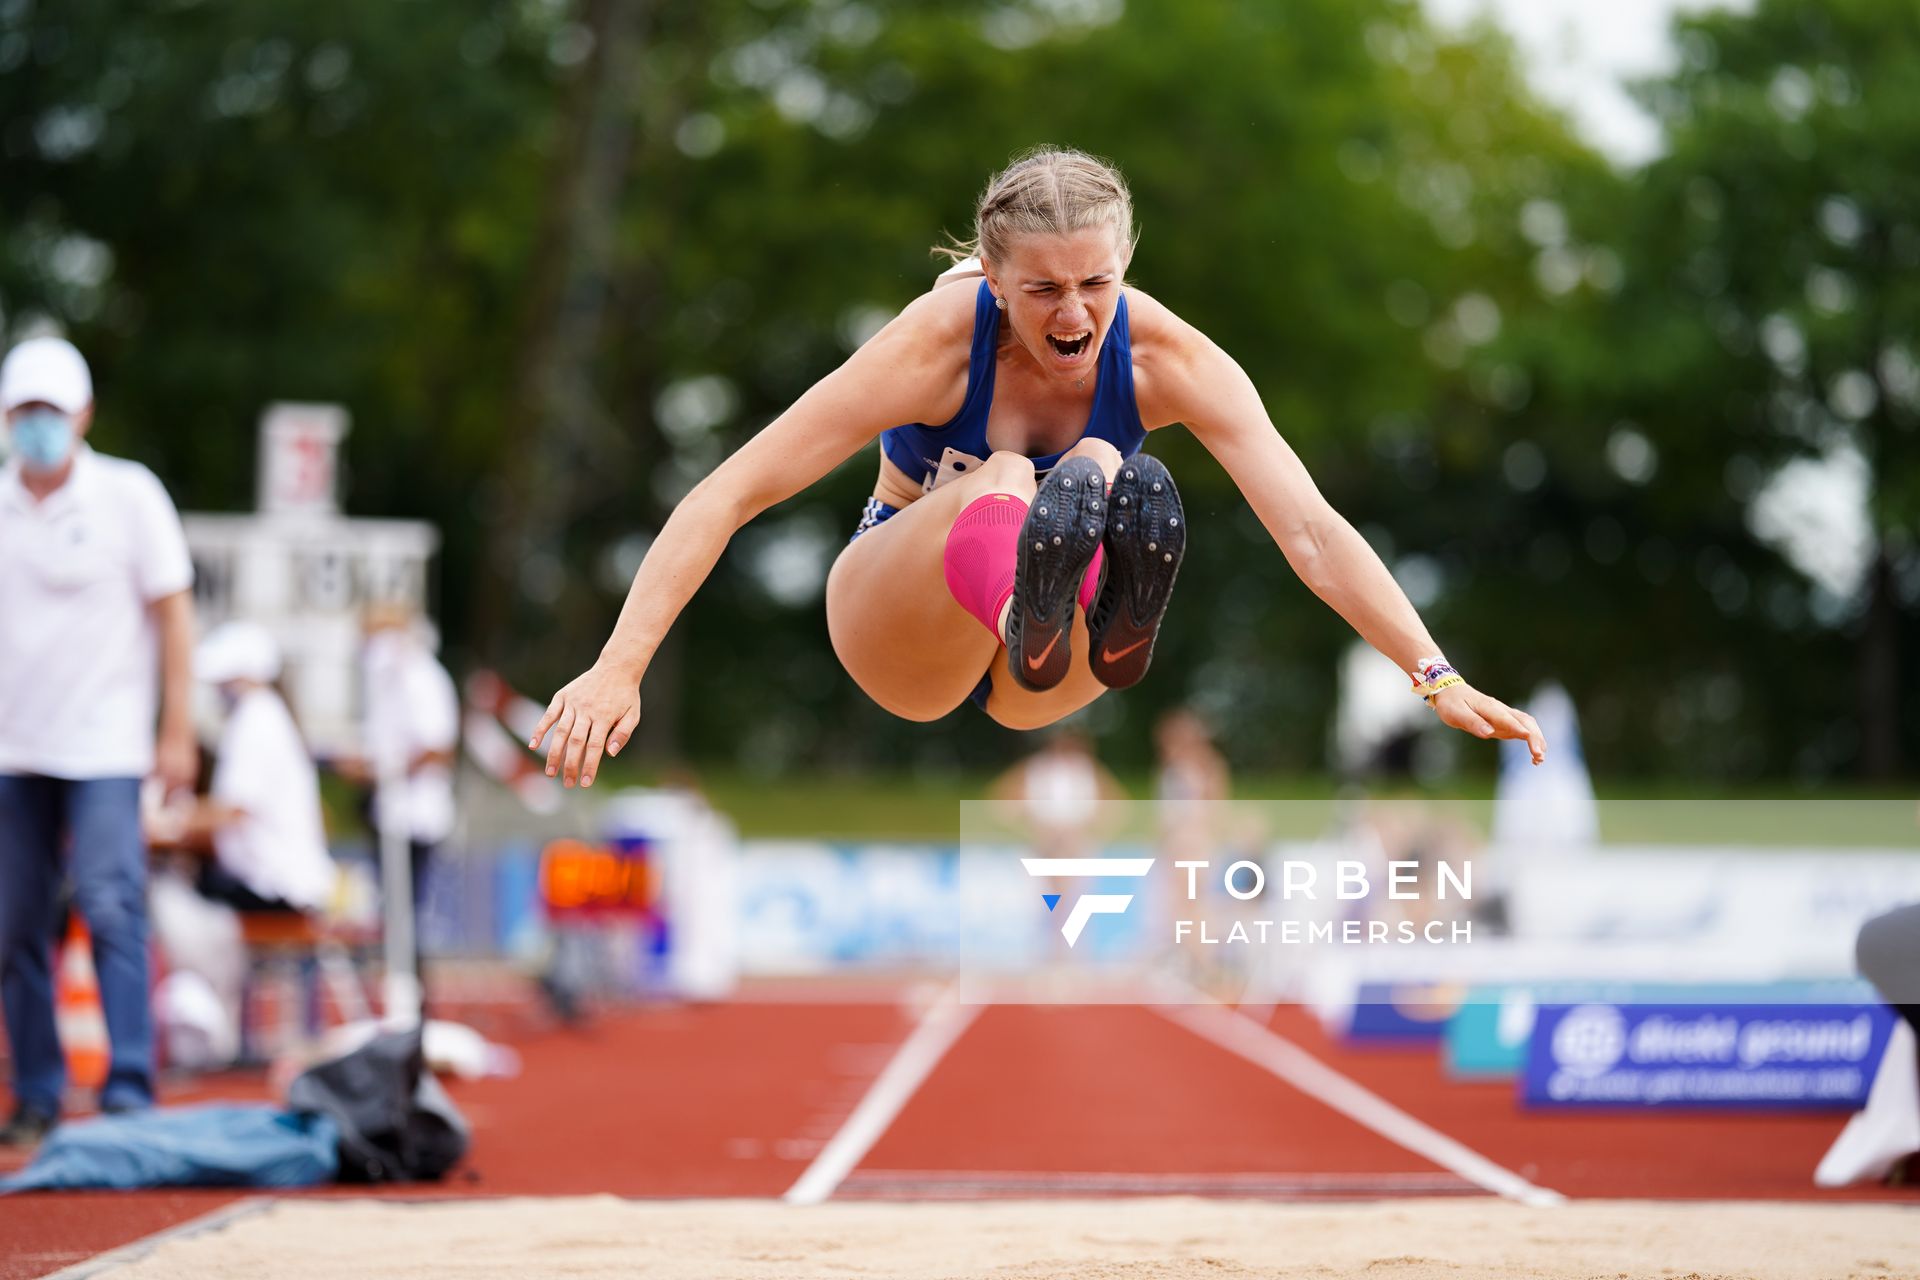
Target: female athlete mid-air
[[1026, 522]]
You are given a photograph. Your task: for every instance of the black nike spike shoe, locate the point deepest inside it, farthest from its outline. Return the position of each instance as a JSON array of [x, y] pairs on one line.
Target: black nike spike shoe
[[1057, 542], [1146, 540]]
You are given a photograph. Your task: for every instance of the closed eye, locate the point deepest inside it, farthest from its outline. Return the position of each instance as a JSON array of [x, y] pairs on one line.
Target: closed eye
[[1096, 283]]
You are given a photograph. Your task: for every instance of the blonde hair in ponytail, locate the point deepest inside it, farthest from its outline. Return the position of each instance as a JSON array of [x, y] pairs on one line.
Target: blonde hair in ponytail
[[1046, 191]]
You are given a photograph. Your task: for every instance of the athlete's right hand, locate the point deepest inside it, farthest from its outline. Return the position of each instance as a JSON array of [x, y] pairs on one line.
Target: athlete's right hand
[[596, 711]]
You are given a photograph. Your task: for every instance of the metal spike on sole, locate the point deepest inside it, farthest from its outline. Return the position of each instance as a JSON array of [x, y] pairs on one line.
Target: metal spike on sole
[[1065, 526], [1143, 559]]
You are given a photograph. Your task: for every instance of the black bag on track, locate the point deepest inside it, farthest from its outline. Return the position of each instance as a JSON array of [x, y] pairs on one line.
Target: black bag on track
[[396, 1123]]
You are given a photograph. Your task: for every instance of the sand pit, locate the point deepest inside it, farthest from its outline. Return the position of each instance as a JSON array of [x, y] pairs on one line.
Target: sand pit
[[1147, 1239]]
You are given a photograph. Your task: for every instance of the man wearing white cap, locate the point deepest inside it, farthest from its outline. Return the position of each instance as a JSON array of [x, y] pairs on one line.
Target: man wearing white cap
[[96, 633]]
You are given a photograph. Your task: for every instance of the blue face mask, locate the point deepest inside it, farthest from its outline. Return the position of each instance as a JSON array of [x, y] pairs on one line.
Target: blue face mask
[[43, 438]]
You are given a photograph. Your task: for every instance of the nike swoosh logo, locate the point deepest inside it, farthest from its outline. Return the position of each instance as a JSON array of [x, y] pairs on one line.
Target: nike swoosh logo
[[1108, 655], [1034, 664]]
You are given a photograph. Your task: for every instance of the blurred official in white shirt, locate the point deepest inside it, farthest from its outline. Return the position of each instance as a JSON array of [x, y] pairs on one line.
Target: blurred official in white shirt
[[96, 634], [412, 717]]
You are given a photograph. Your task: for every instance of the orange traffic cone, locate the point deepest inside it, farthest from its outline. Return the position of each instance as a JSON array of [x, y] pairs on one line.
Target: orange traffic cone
[[77, 1012]]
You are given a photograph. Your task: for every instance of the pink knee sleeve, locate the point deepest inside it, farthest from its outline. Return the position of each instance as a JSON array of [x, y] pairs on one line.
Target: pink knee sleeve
[[980, 556], [1091, 583]]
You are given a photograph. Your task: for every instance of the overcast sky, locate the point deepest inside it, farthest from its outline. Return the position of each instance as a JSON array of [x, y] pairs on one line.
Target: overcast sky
[[1578, 53]]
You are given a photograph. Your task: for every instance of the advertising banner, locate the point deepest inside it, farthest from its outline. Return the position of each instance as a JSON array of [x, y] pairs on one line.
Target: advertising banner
[[1784, 1056]]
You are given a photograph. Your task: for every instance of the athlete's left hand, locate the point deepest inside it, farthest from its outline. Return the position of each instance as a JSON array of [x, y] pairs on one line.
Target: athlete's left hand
[[596, 711], [1470, 711]]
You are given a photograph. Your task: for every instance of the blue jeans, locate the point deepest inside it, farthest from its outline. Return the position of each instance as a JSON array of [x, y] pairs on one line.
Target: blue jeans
[[95, 824]]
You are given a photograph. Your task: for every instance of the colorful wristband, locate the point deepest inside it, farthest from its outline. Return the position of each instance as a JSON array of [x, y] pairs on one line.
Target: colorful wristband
[[1431, 675]]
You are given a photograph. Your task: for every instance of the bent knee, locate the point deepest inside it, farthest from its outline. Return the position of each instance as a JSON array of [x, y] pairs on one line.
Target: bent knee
[[1004, 472], [1004, 467], [1102, 452]]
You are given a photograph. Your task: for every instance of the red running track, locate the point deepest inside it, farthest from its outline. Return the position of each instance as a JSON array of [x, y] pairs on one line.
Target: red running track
[[739, 1099], [1033, 1094], [1673, 1155]]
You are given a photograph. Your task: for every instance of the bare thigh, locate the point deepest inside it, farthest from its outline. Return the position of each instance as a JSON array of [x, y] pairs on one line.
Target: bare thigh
[[1021, 708], [905, 640], [896, 628]]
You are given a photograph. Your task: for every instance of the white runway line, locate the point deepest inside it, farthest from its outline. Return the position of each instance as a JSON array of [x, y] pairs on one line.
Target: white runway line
[[1280, 1056], [942, 1025], [945, 1184]]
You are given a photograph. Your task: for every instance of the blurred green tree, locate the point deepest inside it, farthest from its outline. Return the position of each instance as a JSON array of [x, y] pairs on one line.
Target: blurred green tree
[[559, 258], [1767, 337], [1336, 198], [233, 204]]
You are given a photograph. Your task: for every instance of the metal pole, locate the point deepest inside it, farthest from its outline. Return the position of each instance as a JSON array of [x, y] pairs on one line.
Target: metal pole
[[402, 1004]]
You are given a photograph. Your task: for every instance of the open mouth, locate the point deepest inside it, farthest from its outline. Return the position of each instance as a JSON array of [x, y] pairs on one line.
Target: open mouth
[[1069, 346]]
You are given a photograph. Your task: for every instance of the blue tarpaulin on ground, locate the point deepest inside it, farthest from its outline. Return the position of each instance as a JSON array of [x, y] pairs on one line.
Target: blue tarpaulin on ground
[[202, 1146]]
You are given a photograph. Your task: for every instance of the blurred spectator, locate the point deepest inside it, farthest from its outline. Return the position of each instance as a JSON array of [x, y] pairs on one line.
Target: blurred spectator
[[261, 821], [1190, 787], [262, 816], [1192, 778], [1054, 798], [1549, 810], [1057, 792], [412, 719], [1551, 807], [1376, 727], [95, 592]]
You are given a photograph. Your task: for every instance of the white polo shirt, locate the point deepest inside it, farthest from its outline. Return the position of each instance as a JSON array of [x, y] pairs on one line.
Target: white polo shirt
[[412, 707], [79, 654], [279, 850]]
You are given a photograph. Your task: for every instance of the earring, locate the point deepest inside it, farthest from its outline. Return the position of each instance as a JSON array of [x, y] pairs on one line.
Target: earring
[[999, 302]]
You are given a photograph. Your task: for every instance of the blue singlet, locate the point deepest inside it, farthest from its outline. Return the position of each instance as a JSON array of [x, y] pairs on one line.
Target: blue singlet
[[919, 450]]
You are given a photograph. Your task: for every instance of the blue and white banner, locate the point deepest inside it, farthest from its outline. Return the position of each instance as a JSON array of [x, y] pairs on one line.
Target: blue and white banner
[[1488, 1038], [1784, 1056]]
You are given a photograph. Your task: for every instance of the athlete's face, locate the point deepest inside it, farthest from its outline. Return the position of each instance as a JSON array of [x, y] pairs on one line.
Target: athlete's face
[[1061, 292]]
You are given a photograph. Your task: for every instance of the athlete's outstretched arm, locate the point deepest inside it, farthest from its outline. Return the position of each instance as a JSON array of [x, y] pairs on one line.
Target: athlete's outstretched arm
[[887, 381], [1200, 384]]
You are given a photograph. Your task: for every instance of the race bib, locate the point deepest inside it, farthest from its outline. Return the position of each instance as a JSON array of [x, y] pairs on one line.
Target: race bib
[[953, 465]]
